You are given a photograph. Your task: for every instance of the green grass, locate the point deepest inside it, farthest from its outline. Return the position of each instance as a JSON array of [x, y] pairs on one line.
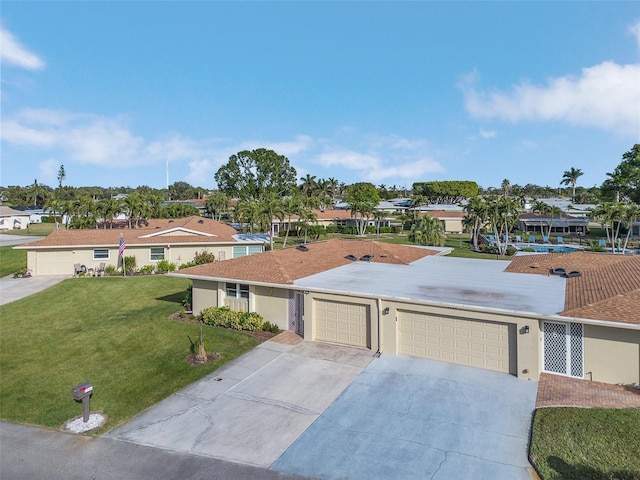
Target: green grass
[[113, 332], [34, 229], [586, 444], [11, 260]]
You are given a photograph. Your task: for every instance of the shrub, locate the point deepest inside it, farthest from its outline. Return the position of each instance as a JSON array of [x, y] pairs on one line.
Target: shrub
[[511, 251], [130, 265], [270, 327], [147, 269], [110, 270], [528, 249], [203, 257], [225, 317], [186, 301], [165, 266]]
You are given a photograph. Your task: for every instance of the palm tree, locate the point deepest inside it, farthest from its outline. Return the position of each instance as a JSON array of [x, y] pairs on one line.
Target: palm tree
[[506, 187], [428, 230], [503, 215], [309, 185], [271, 208], [247, 215], [610, 216], [54, 206], [291, 205], [570, 177], [476, 211], [631, 215], [379, 216], [217, 204]]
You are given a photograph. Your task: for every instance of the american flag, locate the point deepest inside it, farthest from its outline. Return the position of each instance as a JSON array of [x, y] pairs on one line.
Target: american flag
[[123, 246]]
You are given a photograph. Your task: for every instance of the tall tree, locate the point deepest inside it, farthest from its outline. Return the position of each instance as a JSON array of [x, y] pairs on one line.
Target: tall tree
[[476, 213], [217, 204], [570, 177], [624, 182], [362, 198], [254, 174]]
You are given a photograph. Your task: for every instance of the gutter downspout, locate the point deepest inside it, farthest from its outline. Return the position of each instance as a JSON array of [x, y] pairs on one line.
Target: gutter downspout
[[379, 304]]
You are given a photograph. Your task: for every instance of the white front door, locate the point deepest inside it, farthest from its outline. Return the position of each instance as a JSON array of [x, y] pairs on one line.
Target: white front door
[[563, 350]]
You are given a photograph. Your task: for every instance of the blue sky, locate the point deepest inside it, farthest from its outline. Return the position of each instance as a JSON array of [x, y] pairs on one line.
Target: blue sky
[[386, 92]]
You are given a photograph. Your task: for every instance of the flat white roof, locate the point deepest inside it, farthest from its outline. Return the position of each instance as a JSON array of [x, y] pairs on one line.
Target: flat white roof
[[444, 280]]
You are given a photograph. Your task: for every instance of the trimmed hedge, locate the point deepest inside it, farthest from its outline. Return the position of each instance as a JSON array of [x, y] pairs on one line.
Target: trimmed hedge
[[225, 317]]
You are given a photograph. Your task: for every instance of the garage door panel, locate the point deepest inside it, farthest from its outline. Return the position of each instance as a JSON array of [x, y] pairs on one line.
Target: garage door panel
[[340, 322], [466, 342]]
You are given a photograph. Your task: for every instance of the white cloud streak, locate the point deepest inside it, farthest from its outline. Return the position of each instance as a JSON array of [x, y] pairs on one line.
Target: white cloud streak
[[13, 53], [635, 31], [605, 96]]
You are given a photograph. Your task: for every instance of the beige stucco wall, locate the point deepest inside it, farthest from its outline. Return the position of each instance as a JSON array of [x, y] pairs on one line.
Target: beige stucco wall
[[525, 347], [272, 303], [60, 261], [204, 295], [612, 355], [453, 225]]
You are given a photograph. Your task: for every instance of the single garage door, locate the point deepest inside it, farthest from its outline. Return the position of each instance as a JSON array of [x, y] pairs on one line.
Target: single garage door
[[341, 322], [454, 340]]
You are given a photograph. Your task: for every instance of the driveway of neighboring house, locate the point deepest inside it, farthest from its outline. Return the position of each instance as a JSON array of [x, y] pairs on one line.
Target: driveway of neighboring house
[[12, 289], [327, 411]]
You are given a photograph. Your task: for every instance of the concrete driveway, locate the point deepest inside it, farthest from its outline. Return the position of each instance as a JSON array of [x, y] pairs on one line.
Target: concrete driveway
[[252, 409], [333, 412], [405, 417]]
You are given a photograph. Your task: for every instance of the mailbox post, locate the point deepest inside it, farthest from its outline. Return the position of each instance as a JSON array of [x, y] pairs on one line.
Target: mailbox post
[[83, 392]]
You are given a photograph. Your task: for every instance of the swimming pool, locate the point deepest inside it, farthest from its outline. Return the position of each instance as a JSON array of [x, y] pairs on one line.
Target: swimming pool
[[548, 248]]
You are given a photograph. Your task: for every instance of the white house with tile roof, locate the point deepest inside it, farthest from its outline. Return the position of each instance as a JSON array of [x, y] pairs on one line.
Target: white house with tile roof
[[12, 219], [513, 316]]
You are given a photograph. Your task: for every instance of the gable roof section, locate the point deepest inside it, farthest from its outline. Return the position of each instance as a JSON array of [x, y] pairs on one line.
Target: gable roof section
[[11, 212], [608, 289], [196, 230], [285, 266]]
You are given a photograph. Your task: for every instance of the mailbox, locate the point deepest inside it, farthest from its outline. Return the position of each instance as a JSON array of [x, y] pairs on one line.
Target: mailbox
[[81, 391]]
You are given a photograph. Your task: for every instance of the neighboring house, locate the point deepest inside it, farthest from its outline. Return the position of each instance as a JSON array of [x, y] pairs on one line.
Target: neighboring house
[[11, 219], [508, 316], [174, 240], [563, 224]]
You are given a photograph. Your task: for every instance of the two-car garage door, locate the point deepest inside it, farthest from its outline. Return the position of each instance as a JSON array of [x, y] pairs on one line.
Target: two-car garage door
[[454, 340]]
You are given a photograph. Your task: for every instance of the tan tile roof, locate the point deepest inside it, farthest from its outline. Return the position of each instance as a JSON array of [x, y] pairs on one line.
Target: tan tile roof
[[444, 214], [285, 266], [609, 288], [156, 231]]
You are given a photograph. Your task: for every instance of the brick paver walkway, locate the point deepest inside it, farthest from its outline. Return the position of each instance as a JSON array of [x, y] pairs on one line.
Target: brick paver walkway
[[556, 390], [287, 337]]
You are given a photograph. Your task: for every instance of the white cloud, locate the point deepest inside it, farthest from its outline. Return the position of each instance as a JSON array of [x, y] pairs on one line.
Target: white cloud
[[410, 170], [384, 158], [635, 31], [48, 171], [15, 54], [605, 96], [487, 133]]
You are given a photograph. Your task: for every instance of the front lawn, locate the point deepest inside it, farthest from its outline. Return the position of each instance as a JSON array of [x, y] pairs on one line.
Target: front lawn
[[113, 332], [586, 443], [12, 261]]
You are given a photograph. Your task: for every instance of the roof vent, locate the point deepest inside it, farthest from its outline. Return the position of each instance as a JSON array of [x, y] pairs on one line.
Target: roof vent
[[170, 221], [573, 273], [200, 221], [353, 258], [157, 228], [366, 258], [558, 271], [302, 248]]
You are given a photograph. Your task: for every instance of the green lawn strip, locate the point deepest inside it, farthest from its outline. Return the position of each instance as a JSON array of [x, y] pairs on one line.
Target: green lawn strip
[[113, 332], [586, 443], [34, 229], [11, 261]]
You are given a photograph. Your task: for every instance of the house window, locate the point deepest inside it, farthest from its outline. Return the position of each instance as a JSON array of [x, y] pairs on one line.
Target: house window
[[101, 254], [156, 254], [237, 290], [244, 250]]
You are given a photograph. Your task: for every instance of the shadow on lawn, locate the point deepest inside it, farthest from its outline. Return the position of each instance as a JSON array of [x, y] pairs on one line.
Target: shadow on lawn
[[583, 472], [173, 298]]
